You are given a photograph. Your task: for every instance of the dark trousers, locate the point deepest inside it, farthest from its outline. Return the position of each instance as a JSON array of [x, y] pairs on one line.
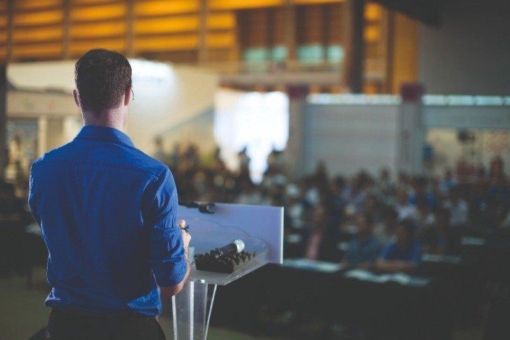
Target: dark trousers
[[65, 324]]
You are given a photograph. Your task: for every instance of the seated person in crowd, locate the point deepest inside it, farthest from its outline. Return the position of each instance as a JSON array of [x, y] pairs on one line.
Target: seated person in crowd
[[458, 208], [403, 207], [13, 219], [506, 221], [439, 239], [385, 187], [421, 191], [385, 231], [424, 218], [322, 239], [448, 182], [11, 207], [403, 255], [364, 248]]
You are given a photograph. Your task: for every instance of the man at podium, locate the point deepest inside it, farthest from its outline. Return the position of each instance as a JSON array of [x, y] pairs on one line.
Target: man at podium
[[107, 213]]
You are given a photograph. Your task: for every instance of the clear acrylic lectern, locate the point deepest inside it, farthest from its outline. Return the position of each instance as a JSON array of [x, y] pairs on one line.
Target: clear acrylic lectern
[[261, 230]]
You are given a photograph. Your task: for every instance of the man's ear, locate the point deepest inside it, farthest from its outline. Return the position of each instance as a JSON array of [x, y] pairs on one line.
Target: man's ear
[[76, 98], [128, 96]]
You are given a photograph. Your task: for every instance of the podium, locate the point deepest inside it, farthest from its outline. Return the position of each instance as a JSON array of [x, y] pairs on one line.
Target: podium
[[261, 230]]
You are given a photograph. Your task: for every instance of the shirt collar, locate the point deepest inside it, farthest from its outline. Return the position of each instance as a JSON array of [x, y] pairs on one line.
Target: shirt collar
[[105, 134]]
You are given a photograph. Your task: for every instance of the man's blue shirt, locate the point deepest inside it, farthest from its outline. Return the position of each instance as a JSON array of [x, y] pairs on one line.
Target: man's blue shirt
[[107, 213]]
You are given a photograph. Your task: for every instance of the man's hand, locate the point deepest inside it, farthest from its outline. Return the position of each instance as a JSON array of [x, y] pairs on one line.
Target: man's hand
[[186, 237]]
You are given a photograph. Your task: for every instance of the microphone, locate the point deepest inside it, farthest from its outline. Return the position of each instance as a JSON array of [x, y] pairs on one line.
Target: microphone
[[235, 247]]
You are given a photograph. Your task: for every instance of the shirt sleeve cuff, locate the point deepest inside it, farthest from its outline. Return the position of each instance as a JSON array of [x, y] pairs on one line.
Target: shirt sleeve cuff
[[167, 276]]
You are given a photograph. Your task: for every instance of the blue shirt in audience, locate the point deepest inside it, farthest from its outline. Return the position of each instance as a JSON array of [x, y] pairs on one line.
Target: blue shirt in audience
[[108, 216], [429, 197], [411, 254], [360, 252]]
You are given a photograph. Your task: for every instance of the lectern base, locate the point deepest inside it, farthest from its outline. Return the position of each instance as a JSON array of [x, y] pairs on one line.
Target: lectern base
[[191, 313]]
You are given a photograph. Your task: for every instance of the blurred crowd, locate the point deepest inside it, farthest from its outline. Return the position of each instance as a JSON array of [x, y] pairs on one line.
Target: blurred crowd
[[382, 222], [14, 218], [379, 222]]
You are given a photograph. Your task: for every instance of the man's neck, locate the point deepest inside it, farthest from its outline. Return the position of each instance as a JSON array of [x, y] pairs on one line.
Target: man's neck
[[108, 118]]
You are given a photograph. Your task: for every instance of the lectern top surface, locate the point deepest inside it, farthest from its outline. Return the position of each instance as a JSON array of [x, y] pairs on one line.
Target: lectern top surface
[[207, 236], [262, 222]]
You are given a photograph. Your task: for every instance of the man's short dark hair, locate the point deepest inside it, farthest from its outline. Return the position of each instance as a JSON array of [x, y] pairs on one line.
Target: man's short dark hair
[[102, 77]]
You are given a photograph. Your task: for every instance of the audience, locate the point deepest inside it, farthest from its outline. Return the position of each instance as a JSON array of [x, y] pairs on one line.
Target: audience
[[322, 213], [364, 248], [403, 207], [422, 192], [402, 255], [13, 218], [385, 230], [423, 218], [439, 239], [448, 182], [457, 207], [367, 213], [322, 240], [11, 207]]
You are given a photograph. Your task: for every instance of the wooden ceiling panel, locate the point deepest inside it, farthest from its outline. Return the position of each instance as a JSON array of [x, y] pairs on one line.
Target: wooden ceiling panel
[[315, 2], [37, 50], [166, 25], [26, 5], [38, 18], [158, 8], [3, 37], [225, 20], [166, 43], [37, 34], [221, 40], [103, 29], [3, 21], [80, 47], [95, 13], [94, 2], [244, 4]]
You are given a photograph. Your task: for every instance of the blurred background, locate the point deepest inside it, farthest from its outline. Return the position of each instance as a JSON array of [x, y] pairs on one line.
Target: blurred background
[[354, 115]]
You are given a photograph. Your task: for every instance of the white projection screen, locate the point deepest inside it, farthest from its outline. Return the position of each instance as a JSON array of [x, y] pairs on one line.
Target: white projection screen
[[257, 121]]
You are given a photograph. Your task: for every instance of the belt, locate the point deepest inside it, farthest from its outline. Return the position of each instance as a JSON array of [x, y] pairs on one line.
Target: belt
[[68, 310]]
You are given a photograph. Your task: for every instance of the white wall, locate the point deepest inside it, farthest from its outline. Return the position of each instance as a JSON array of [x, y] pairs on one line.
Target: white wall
[[467, 117], [197, 130], [448, 150], [350, 137], [165, 96], [470, 52], [159, 106], [24, 104]]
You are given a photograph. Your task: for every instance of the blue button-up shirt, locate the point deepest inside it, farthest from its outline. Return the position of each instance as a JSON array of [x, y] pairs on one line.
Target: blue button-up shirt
[[107, 212]]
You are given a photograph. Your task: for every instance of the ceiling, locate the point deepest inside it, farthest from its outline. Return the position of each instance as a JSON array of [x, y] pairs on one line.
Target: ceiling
[[426, 11]]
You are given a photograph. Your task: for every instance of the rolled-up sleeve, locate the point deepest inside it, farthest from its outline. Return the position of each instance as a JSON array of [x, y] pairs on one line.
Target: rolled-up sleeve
[[167, 255]]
